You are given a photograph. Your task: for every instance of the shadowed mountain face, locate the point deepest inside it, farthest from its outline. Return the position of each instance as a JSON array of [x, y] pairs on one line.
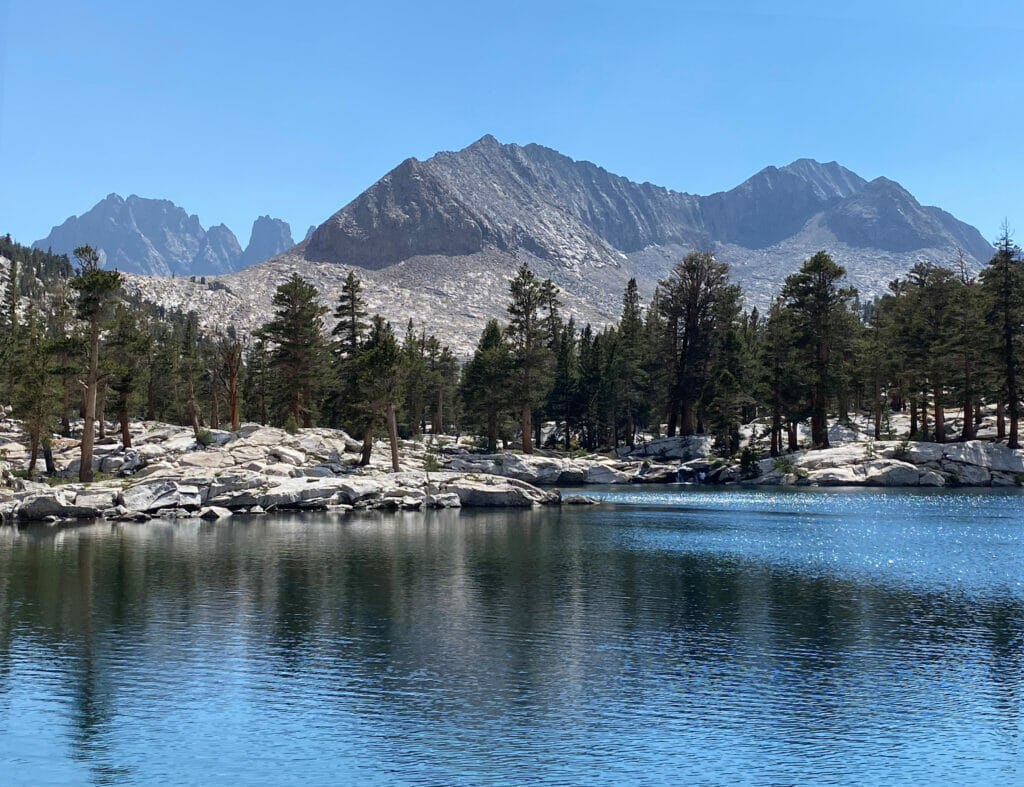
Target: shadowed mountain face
[[151, 236], [535, 199]]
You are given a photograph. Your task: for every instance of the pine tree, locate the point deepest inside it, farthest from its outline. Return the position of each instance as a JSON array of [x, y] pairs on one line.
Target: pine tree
[[630, 370], [689, 304], [231, 358], [296, 333], [36, 392], [97, 289], [1002, 282], [189, 368], [127, 352], [561, 400], [486, 382], [817, 303], [532, 359], [346, 407], [9, 330], [380, 378]]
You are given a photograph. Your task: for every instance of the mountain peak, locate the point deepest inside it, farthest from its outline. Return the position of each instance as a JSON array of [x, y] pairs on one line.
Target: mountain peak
[[269, 236]]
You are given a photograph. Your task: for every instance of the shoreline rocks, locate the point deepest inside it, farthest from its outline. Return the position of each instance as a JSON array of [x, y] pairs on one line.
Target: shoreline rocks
[[259, 469]]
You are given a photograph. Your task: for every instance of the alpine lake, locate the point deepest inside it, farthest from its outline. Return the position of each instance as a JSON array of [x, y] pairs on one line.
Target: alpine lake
[[677, 635]]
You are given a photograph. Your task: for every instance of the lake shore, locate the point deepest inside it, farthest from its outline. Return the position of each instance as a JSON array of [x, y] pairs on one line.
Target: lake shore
[[167, 473]]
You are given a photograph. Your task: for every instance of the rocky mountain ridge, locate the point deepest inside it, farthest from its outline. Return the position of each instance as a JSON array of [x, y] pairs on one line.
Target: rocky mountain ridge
[[157, 237], [437, 240]]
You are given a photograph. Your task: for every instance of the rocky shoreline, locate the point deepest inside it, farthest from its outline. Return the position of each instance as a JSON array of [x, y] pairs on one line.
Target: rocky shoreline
[[257, 469]]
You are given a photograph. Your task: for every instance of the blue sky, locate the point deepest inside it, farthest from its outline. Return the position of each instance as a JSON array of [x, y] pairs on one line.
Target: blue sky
[[237, 109]]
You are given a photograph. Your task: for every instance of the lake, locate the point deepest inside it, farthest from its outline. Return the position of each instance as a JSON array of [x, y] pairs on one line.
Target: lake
[[680, 635]]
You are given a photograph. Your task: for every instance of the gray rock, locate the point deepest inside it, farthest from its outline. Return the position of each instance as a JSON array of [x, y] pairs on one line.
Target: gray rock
[[493, 491], [931, 478], [968, 475], [848, 475], [55, 504], [656, 474], [992, 456], [149, 497], [605, 474], [679, 448], [891, 472], [580, 500], [442, 500], [214, 512]]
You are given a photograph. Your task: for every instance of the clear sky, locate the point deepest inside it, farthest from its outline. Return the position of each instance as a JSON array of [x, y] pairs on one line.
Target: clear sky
[[292, 108]]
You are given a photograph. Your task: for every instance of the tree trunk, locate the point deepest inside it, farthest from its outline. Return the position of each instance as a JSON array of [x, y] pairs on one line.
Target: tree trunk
[[193, 408], [687, 427], [126, 435], [630, 430], [967, 433], [673, 415], [525, 426], [1000, 420], [364, 458], [393, 437], [924, 417], [940, 417], [33, 455], [537, 424], [439, 419], [233, 398], [492, 432], [913, 417], [150, 397], [819, 419], [878, 412], [89, 402], [101, 401], [776, 447], [214, 408], [51, 468], [65, 421], [791, 435], [307, 411]]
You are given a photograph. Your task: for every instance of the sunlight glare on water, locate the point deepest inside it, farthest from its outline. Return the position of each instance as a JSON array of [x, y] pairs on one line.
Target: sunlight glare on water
[[667, 636]]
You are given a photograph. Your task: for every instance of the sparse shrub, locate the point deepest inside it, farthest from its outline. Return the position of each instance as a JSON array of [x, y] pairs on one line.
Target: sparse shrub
[[204, 437], [784, 465], [291, 426], [748, 464]]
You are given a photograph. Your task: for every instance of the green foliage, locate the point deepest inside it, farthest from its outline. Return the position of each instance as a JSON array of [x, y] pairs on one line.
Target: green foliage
[[748, 464], [204, 437], [297, 353]]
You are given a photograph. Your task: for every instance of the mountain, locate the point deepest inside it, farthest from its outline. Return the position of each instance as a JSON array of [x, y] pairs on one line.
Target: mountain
[[437, 239], [156, 237], [269, 237]]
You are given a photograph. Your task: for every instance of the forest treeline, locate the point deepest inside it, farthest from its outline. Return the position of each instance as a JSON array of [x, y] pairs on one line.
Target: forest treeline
[[691, 361]]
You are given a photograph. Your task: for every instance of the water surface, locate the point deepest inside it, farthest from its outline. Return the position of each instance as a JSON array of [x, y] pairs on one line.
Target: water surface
[[760, 637]]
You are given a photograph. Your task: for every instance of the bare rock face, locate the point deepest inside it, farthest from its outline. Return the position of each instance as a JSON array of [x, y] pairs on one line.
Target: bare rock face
[[269, 237], [157, 238], [438, 239], [578, 215]]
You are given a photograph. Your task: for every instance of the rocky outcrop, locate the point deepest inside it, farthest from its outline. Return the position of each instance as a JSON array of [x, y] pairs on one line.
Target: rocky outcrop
[[679, 449], [889, 463], [269, 237], [484, 491]]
